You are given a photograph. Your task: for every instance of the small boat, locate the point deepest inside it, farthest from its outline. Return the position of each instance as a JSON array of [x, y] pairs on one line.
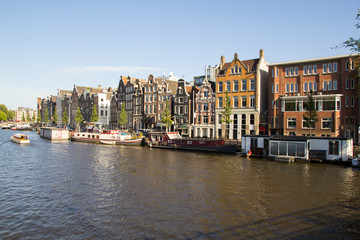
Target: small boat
[[20, 138]]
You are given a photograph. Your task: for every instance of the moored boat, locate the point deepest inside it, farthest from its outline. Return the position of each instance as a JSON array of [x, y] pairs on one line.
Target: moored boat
[[20, 138], [85, 137], [113, 137], [173, 140]]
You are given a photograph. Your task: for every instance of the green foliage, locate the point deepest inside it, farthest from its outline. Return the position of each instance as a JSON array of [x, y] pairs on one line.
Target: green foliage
[[310, 116], [3, 108], [33, 117], [94, 115], [122, 116], [23, 117], [65, 117], [10, 115], [38, 117], [28, 119], [55, 116], [78, 117], [226, 114], [166, 117], [46, 116], [3, 116]]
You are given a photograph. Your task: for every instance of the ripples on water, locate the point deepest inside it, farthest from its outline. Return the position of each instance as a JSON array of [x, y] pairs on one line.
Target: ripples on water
[[66, 190]]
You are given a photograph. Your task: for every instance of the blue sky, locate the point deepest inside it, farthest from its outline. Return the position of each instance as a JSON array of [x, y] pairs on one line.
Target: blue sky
[[50, 45]]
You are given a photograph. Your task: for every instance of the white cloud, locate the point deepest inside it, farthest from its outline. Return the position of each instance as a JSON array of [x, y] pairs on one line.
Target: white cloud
[[102, 69]]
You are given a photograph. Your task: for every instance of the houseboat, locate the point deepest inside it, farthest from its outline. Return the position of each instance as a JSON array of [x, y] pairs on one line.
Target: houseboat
[[173, 140], [118, 138], [20, 138], [85, 137], [332, 149], [54, 133], [255, 145]]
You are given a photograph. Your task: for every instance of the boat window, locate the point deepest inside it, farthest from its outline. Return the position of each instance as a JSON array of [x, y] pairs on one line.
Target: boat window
[[202, 142], [189, 142], [333, 147], [170, 141], [300, 149], [283, 148], [274, 148], [292, 149]]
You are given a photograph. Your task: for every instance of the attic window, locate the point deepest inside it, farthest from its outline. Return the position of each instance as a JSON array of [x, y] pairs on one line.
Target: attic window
[[236, 70]]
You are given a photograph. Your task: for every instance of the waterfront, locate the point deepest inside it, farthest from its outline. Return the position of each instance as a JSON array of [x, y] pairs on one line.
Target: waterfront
[[67, 190]]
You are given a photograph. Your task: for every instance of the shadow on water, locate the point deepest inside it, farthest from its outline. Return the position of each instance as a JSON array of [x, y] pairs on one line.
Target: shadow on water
[[333, 221]]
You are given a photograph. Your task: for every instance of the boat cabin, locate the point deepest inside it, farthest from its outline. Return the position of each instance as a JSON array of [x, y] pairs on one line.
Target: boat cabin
[[255, 145], [311, 148]]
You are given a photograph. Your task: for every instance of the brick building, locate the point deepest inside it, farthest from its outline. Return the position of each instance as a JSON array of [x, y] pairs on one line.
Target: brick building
[[334, 92]]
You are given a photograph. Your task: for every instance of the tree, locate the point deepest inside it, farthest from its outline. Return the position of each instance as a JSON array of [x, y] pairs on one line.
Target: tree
[[23, 117], [78, 117], [55, 117], [94, 115], [10, 115], [3, 116], [226, 114], [33, 117], [28, 119], [310, 116], [122, 116], [166, 117], [38, 117], [65, 117], [3, 108], [46, 117]]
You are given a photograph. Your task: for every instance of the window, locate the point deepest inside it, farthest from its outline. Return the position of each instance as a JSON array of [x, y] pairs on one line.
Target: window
[[347, 102], [296, 71], [315, 87], [205, 119], [276, 88], [333, 147], [352, 83], [243, 101], [272, 72], [352, 65], [305, 70], [326, 123], [295, 87], [347, 66], [287, 88], [291, 123], [220, 87], [306, 124], [347, 84], [206, 106], [324, 86], [236, 102], [236, 85], [291, 87], [252, 84], [310, 69], [272, 88], [324, 68], [220, 102], [329, 85], [181, 100], [243, 85], [287, 72], [305, 87], [310, 86], [314, 69], [352, 101], [252, 101], [228, 86], [276, 72], [291, 71], [335, 85], [330, 67], [334, 67]]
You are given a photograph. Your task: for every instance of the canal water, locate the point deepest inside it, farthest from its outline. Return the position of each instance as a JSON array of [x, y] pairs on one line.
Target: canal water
[[67, 190]]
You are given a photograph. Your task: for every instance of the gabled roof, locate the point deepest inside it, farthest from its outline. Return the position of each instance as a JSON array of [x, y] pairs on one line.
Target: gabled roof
[[249, 65], [62, 93]]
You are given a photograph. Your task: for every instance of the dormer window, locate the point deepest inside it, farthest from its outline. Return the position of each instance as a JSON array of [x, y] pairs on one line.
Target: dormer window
[[236, 70]]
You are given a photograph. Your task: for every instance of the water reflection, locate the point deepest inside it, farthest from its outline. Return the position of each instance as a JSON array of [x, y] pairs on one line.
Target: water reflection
[[85, 191]]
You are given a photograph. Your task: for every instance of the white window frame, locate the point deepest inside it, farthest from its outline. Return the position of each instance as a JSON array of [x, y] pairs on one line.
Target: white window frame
[[347, 84], [296, 71], [325, 86], [335, 85], [304, 70], [324, 68], [286, 72], [276, 88], [352, 83], [323, 120], [290, 119], [334, 67], [314, 69], [352, 101], [330, 68]]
